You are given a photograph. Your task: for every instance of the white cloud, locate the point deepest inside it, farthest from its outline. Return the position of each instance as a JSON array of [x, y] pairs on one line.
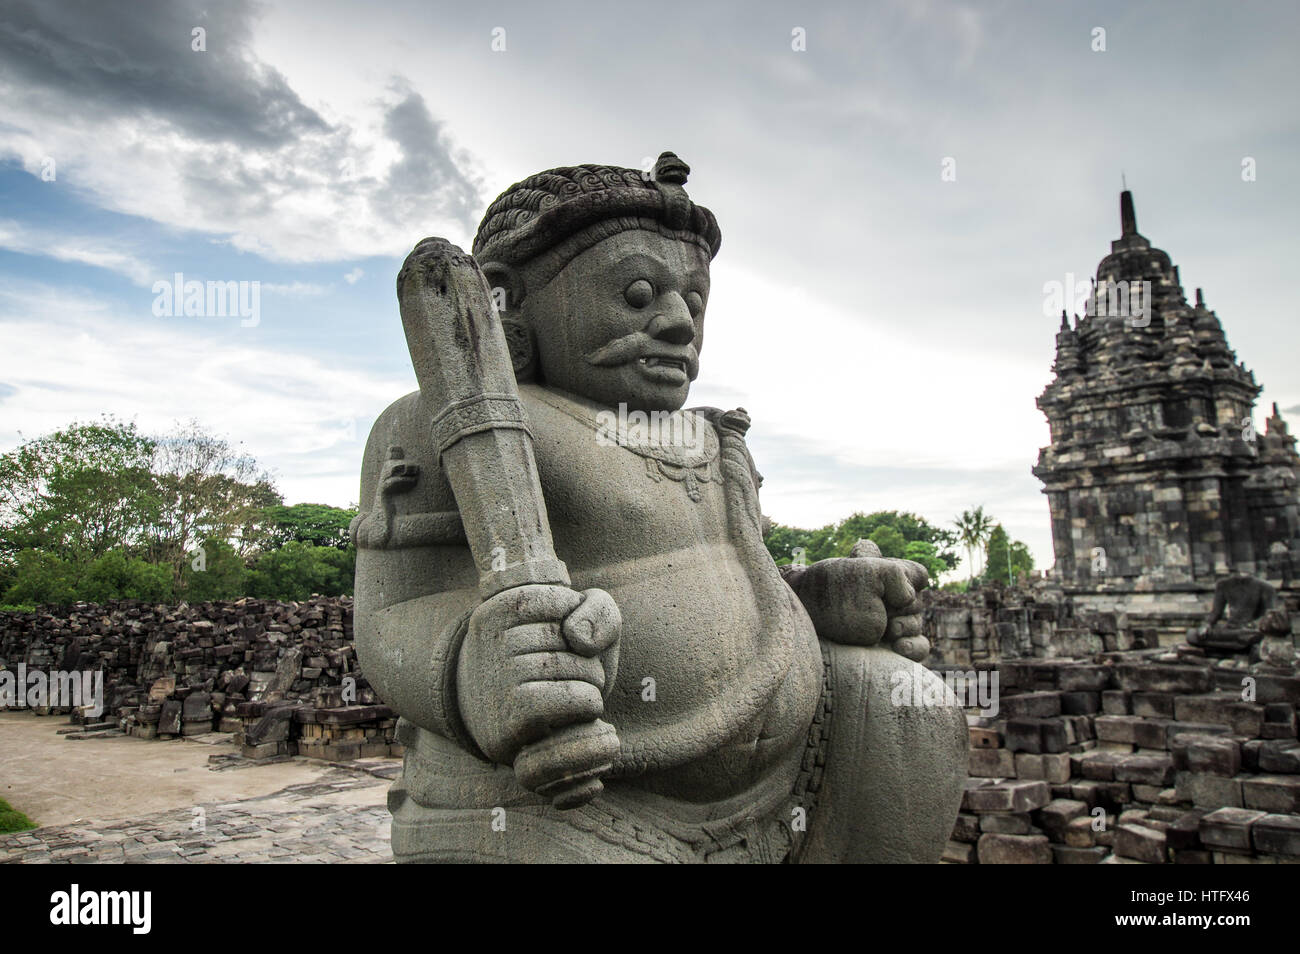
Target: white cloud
[[219, 142], [85, 250], [854, 412], [70, 357], [295, 288], [354, 276]]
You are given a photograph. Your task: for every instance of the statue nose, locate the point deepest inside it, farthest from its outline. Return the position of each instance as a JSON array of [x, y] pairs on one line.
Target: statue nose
[[672, 325]]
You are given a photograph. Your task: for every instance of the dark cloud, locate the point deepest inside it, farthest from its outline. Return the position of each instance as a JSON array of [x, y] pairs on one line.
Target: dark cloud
[[103, 59], [254, 161], [427, 167]]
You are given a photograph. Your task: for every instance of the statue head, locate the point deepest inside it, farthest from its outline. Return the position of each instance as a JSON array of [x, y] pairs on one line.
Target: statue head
[[602, 275]]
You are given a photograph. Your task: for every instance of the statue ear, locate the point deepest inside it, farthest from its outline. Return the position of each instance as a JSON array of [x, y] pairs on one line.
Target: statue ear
[[508, 291], [507, 286]]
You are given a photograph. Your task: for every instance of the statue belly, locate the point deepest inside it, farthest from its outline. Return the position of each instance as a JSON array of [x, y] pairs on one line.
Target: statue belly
[[690, 622], [662, 548]]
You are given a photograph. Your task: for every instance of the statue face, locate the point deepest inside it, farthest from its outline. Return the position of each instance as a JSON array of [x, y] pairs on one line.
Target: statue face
[[624, 321]]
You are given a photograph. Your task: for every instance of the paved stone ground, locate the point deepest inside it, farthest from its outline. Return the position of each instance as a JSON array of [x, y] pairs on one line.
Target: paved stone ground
[[339, 818]]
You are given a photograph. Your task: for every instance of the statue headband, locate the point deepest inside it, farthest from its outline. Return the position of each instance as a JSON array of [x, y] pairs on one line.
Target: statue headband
[[566, 205]]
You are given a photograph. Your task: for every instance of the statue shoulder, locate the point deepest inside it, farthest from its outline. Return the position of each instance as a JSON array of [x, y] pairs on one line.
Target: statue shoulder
[[396, 429], [405, 499], [733, 425]]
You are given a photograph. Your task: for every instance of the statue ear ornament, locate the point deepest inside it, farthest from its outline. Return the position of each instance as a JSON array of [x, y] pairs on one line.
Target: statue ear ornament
[[507, 290], [523, 349]]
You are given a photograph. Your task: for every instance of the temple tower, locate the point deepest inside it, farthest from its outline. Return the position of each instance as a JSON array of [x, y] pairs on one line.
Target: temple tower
[[1157, 481]]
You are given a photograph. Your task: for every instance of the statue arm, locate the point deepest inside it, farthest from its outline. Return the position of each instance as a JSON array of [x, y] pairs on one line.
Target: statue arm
[[410, 648], [416, 584], [1216, 610]]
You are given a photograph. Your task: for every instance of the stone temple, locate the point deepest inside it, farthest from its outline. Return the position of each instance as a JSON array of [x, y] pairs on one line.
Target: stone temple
[[1157, 481]]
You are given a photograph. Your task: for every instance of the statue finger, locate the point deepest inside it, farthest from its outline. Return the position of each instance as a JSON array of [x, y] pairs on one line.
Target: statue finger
[[914, 608], [898, 591], [533, 638], [553, 666], [903, 626], [916, 574], [538, 708], [915, 648], [870, 623], [533, 603], [594, 626]]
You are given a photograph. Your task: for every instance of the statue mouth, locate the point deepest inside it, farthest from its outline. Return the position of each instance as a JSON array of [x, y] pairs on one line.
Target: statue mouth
[[656, 360], [664, 369]]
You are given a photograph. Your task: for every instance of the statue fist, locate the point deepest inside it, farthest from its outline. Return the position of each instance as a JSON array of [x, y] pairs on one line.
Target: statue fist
[[862, 601], [536, 659]]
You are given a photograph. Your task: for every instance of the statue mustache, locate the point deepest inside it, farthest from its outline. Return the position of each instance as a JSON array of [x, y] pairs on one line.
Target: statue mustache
[[639, 344]]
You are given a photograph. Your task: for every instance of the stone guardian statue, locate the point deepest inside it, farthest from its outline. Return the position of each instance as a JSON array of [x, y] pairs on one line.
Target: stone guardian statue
[[562, 585]]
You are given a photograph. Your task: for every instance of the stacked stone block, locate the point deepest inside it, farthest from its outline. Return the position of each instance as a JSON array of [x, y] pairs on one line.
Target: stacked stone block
[[1123, 758], [1025, 621]]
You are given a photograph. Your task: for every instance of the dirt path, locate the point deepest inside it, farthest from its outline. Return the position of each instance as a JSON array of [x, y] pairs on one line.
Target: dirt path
[[57, 781]]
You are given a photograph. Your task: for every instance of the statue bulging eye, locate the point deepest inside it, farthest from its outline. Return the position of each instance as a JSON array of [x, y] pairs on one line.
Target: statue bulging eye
[[640, 293], [695, 303]]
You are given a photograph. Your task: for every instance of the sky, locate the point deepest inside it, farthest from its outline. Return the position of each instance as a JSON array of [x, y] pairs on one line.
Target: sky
[[895, 182]]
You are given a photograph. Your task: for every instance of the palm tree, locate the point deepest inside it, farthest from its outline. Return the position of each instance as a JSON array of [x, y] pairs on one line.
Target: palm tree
[[973, 529]]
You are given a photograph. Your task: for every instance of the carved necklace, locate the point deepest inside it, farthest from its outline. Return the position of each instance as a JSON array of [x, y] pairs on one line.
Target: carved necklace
[[681, 446]]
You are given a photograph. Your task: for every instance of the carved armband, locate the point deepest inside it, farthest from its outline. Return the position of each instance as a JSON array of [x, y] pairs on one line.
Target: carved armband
[[483, 412]]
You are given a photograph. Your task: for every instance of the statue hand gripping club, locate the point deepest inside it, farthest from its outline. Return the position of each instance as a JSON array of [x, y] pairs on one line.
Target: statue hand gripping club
[[540, 654]]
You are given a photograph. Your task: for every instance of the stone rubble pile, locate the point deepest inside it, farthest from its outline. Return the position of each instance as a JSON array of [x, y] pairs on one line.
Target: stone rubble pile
[[1116, 757], [1133, 758], [196, 668]]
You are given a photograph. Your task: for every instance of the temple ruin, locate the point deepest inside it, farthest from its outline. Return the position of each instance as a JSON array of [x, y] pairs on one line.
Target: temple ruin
[[1157, 481]]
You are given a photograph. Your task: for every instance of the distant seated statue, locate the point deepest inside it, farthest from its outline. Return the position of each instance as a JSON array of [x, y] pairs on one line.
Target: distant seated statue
[[1240, 603]]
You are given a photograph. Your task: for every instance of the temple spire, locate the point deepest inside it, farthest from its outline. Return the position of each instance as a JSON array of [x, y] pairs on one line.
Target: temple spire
[[1127, 217]]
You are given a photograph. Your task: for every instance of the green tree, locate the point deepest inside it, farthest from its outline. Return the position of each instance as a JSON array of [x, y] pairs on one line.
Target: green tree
[[782, 542], [889, 540], [785, 542], [90, 489], [116, 576], [897, 530], [318, 524], [973, 529], [41, 577], [927, 555], [297, 570], [1006, 560], [912, 527], [79, 492], [214, 572], [207, 490]]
